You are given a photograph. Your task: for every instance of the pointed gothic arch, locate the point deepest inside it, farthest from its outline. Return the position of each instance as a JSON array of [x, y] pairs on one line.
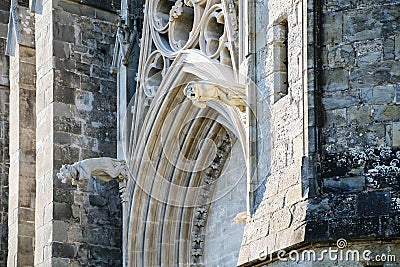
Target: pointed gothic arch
[[179, 154], [171, 176]]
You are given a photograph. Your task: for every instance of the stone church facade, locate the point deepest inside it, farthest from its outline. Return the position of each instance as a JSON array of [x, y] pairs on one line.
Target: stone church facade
[[199, 133]]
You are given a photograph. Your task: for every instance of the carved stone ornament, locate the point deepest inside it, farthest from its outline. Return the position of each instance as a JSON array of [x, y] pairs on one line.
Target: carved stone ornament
[[103, 168], [201, 92], [176, 10], [200, 217], [126, 39]]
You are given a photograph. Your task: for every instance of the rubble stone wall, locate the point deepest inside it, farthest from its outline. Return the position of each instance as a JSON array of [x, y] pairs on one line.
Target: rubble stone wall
[[359, 170]]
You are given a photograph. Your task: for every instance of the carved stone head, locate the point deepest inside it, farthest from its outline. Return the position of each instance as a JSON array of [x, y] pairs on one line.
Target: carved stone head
[[191, 91]]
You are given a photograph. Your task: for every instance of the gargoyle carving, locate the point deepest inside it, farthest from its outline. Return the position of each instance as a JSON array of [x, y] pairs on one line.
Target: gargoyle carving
[[103, 168], [200, 92]]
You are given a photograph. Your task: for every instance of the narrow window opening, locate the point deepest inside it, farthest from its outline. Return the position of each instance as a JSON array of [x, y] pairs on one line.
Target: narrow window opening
[[281, 59], [285, 57]]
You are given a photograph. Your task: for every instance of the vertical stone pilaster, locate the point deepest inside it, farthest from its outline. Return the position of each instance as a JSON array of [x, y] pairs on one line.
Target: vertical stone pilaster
[[44, 136], [4, 135], [22, 144]]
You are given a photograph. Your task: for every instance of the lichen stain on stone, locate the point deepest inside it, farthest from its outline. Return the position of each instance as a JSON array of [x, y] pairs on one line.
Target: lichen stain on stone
[[379, 165]]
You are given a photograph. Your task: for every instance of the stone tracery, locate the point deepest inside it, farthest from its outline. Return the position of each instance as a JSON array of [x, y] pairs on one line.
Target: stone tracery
[[154, 72], [189, 25]]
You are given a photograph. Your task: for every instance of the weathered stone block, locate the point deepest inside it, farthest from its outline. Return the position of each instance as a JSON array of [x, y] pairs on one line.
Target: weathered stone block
[[61, 49], [97, 200], [109, 5], [339, 4], [341, 99], [396, 134], [82, 68], [63, 250], [364, 3], [62, 211], [76, 9], [65, 33], [84, 100], [340, 56], [345, 184], [65, 64], [359, 114], [60, 229], [280, 220], [390, 225], [67, 153], [389, 49], [333, 80], [63, 196], [362, 24], [64, 95], [25, 245], [5, 5], [98, 254], [389, 20], [370, 75], [102, 236], [385, 113], [353, 227], [316, 230], [67, 78], [100, 72], [373, 204], [335, 117], [397, 47], [378, 95], [368, 52], [59, 262], [332, 28]]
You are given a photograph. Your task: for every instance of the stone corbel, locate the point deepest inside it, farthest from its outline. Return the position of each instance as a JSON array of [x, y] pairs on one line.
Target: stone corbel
[[202, 91], [105, 169]]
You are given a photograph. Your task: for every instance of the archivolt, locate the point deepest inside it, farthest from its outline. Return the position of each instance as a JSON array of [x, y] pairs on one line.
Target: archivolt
[[181, 149]]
